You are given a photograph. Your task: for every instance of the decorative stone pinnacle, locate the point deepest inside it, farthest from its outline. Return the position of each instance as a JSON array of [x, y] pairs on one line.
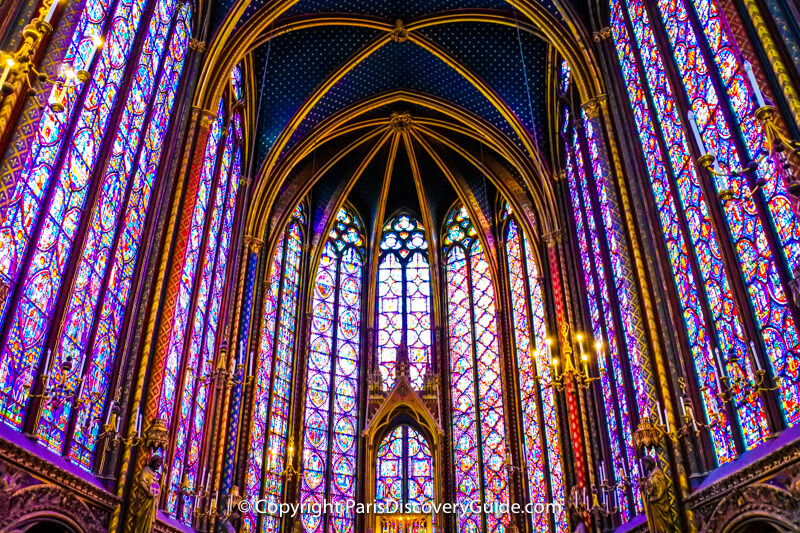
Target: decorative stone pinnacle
[[399, 32], [400, 121]]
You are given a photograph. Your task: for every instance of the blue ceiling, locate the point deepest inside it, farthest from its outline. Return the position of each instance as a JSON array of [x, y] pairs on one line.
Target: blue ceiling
[[300, 61], [391, 9]]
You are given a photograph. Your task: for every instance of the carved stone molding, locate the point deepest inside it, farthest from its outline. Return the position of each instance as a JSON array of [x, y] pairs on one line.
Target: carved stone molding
[[766, 489], [194, 44], [23, 499], [29, 462], [604, 33], [754, 501]]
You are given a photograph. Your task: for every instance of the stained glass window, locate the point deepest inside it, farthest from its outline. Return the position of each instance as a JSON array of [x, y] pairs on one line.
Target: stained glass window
[[747, 230], [404, 470], [703, 257], [564, 77], [404, 300], [608, 347], [711, 312], [542, 451], [270, 420], [48, 208], [331, 407], [193, 347], [479, 431]]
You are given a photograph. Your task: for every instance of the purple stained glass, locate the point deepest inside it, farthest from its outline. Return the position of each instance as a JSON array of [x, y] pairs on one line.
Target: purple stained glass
[[564, 76], [282, 382], [701, 232], [553, 447], [758, 265], [540, 441], [192, 358], [18, 220], [237, 83], [258, 432], [479, 439], [40, 284], [330, 435], [389, 468], [608, 360], [404, 470], [103, 228], [404, 300], [171, 388], [526, 369]]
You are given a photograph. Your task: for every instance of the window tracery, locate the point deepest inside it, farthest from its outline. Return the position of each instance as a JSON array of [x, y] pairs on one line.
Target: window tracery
[[478, 420], [331, 405], [54, 207], [404, 305]]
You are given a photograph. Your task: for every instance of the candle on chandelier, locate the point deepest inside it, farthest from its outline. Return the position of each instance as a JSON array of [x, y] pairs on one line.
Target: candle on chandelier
[[696, 131], [751, 77], [756, 362], [666, 419], [47, 357], [6, 71], [80, 388], [138, 423], [51, 12]]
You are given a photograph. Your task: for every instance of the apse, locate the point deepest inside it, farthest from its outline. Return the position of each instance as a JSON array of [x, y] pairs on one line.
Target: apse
[[338, 266]]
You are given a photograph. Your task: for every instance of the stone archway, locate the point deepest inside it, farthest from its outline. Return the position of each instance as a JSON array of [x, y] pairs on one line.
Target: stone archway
[[44, 524]]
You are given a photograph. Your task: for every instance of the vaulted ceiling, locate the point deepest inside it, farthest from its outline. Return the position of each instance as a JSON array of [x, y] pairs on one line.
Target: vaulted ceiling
[[474, 81]]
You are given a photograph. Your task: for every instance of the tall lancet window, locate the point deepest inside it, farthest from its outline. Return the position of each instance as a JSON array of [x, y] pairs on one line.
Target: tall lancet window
[[542, 451], [610, 337], [331, 406], [714, 246], [274, 375], [479, 429], [71, 232], [404, 300], [404, 470], [185, 395]]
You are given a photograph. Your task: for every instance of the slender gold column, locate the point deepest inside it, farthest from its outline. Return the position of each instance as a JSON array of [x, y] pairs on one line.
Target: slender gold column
[[599, 108], [774, 57]]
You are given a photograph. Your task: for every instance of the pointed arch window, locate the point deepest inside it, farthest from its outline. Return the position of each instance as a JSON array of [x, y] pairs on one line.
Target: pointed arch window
[[404, 300], [713, 246], [478, 420], [620, 405], [331, 406], [404, 470], [542, 449], [274, 376], [192, 351], [66, 195]]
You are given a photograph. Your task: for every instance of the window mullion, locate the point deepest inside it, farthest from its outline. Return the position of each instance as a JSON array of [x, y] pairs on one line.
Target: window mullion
[[475, 383], [332, 398]]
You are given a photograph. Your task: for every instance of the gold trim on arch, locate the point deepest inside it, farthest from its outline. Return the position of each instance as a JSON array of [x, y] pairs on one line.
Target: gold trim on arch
[[267, 189]]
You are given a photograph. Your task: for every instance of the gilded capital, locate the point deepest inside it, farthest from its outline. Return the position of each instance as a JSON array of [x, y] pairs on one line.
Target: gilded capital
[[253, 244], [602, 34], [594, 107], [194, 44], [206, 117]]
